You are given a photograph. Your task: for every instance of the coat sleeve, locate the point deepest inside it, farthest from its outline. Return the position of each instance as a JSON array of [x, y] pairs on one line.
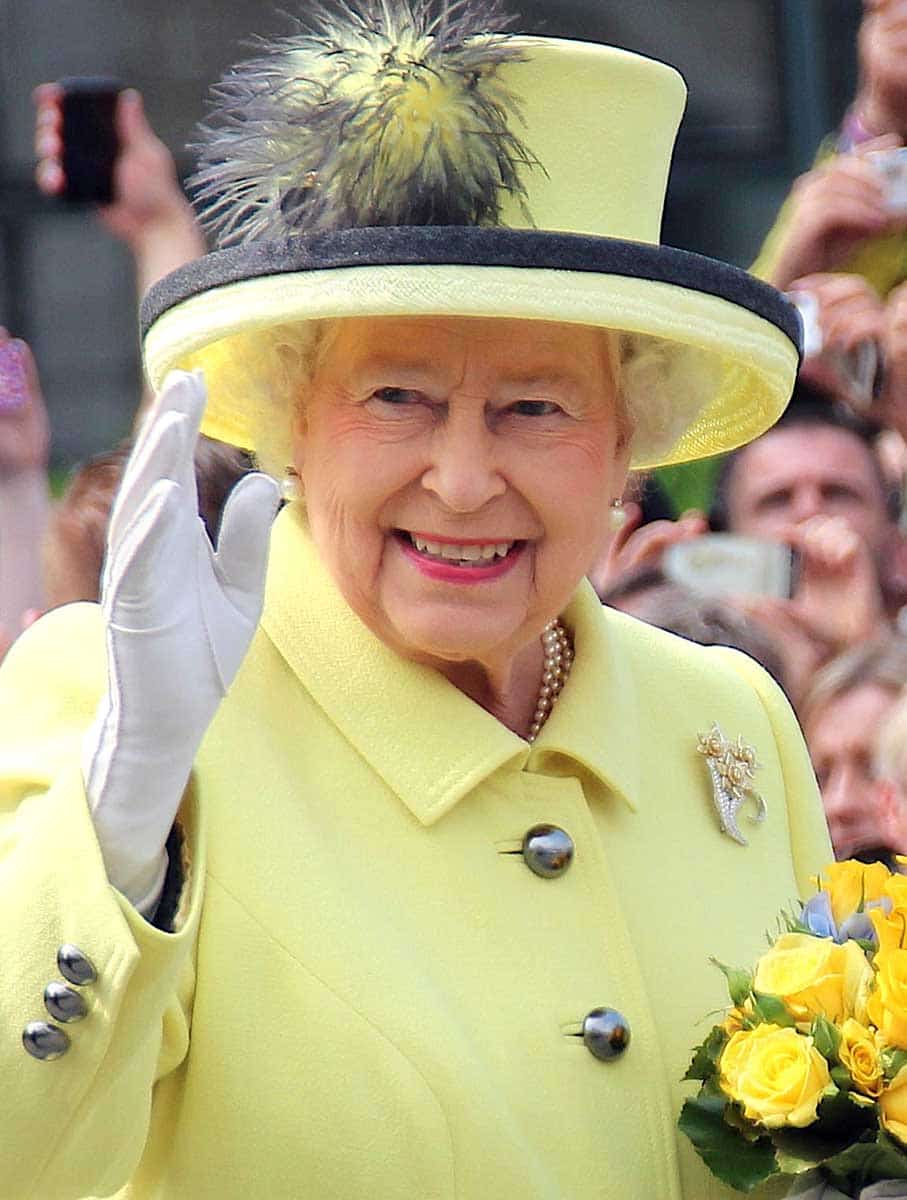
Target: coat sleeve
[[811, 847], [75, 1125]]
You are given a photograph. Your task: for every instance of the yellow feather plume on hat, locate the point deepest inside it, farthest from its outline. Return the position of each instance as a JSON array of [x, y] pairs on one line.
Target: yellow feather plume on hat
[[374, 115]]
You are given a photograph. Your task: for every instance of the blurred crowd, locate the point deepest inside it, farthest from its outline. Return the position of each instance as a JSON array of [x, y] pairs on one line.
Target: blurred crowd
[[801, 559]]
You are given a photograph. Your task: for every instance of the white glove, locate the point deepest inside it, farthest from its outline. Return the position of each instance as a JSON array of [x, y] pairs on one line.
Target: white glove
[[179, 620]]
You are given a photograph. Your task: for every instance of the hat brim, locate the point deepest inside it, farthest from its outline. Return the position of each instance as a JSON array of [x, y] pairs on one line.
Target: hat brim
[[737, 337]]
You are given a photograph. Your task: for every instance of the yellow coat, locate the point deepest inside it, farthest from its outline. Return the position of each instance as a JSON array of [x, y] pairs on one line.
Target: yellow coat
[[384, 1001]]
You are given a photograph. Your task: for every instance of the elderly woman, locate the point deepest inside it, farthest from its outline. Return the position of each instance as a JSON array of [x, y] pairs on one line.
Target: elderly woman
[[407, 889]]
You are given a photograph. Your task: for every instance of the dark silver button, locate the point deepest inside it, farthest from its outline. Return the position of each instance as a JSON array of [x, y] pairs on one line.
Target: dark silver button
[[606, 1033], [74, 965], [43, 1040], [547, 850], [64, 1003]]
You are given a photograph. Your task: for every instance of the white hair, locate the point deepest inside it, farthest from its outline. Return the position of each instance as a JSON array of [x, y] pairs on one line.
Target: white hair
[[661, 392]]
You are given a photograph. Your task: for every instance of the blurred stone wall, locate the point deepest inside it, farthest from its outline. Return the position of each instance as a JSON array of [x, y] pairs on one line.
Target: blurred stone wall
[[67, 286]]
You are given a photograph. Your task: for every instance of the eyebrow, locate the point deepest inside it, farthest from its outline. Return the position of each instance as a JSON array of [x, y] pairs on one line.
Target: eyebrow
[[543, 378], [419, 370]]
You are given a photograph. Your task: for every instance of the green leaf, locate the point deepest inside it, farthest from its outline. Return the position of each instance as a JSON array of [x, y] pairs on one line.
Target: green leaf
[[740, 1164], [827, 1040], [796, 1155], [771, 1009], [733, 1115], [841, 1078], [841, 1122], [739, 983], [892, 1062], [866, 1163], [706, 1056]]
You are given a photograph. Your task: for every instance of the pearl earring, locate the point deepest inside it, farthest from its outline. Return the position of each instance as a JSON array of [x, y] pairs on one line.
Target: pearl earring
[[616, 515]]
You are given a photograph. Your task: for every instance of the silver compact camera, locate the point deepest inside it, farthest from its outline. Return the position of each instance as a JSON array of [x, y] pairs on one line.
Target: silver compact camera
[[892, 165], [726, 564], [856, 372]]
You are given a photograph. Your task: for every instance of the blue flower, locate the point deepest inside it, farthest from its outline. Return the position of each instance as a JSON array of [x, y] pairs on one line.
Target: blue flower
[[818, 919]]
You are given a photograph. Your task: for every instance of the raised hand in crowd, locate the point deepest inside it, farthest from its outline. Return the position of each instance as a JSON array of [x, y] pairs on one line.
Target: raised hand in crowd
[[850, 317], [833, 208], [891, 407], [149, 212], [837, 603], [24, 496], [838, 595], [635, 546]]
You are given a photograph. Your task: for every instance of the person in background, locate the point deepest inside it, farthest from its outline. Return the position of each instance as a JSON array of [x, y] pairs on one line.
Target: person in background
[[814, 482], [150, 211], [24, 492], [77, 532], [890, 768], [151, 214], [837, 216], [848, 703]]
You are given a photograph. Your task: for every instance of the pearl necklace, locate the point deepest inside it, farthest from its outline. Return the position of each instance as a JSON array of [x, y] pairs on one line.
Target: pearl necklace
[[555, 669]]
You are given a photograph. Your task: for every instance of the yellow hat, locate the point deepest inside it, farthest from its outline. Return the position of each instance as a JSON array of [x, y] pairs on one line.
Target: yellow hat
[[421, 170]]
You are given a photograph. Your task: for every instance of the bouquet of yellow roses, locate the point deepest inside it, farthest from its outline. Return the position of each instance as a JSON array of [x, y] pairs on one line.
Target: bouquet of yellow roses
[[806, 1076]]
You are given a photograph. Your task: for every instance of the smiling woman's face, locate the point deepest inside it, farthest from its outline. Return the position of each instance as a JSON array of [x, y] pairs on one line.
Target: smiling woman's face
[[457, 474]]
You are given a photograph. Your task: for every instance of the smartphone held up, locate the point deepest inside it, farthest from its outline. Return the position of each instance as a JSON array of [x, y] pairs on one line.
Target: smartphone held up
[[89, 139]]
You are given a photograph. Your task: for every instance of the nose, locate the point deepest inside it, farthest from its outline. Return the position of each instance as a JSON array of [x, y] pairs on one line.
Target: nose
[[464, 472], [807, 503], [841, 798], [837, 796]]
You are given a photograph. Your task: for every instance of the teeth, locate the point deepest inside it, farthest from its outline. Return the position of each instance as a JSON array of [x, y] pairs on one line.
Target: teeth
[[454, 552]]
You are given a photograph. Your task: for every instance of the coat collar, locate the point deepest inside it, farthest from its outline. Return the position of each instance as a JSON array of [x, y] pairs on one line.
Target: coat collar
[[431, 744]]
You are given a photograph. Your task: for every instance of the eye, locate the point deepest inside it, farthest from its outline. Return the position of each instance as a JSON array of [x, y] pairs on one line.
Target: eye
[[535, 408], [396, 395], [840, 491], [773, 500]]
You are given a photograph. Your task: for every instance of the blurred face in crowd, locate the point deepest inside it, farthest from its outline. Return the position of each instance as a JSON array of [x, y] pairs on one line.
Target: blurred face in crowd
[[841, 735], [457, 475], [796, 472]]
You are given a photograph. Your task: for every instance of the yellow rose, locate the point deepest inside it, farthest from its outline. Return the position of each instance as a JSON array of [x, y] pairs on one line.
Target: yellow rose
[[815, 975], [893, 1103], [889, 927], [776, 1074], [896, 890], [860, 1055], [887, 1007], [852, 885]]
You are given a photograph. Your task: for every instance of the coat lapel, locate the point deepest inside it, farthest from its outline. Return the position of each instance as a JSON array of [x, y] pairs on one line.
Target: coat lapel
[[431, 744]]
